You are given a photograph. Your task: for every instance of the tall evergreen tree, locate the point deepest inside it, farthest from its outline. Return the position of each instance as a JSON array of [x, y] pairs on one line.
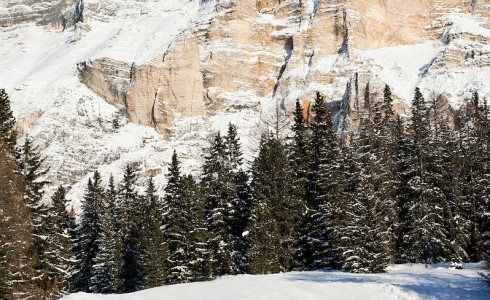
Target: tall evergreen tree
[[220, 197], [132, 208], [475, 173], [356, 236], [155, 252], [448, 156], [198, 235], [106, 271], [7, 122], [176, 226], [319, 246], [275, 212], [427, 238], [31, 167], [58, 255], [88, 233], [243, 206], [16, 264], [383, 167]]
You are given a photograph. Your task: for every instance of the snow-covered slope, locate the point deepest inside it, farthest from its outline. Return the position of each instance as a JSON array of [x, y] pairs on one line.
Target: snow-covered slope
[[188, 68], [407, 282]]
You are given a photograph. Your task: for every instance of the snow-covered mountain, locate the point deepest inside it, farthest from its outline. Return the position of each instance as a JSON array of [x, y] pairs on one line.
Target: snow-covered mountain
[[176, 71]]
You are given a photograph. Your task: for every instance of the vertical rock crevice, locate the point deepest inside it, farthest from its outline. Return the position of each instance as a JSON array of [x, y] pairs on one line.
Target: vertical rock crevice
[[288, 47]]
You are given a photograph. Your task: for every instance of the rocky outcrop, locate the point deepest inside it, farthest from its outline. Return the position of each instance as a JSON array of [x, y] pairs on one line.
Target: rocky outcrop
[[285, 50], [57, 14]]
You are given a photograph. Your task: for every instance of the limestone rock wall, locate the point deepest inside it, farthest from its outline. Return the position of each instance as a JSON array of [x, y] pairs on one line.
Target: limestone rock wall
[[284, 50], [54, 13]]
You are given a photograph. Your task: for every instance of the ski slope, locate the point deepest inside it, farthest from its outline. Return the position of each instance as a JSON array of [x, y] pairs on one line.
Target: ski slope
[[401, 282]]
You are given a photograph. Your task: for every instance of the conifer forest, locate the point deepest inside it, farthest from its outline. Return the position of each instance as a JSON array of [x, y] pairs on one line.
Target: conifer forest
[[398, 189]]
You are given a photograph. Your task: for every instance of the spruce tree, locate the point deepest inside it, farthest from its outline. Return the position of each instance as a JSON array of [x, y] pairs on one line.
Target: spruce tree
[[356, 241], [106, 271], [475, 173], [299, 156], [236, 182], [427, 238], [16, 264], [448, 156], [404, 191], [319, 247], [275, 211], [154, 247], [176, 226], [7, 122], [132, 206], [58, 255], [220, 197], [31, 167], [382, 167], [243, 206], [198, 235], [88, 234]]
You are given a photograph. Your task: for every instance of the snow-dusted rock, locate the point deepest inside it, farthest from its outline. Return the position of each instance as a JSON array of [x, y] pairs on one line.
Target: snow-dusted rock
[[184, 69]]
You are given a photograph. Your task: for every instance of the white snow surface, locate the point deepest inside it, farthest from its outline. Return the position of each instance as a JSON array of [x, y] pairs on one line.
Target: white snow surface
[[409, 282]]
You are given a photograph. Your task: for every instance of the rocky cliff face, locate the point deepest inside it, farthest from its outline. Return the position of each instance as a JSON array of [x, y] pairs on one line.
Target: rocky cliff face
[[57, 14], [283, 50], [187, 68]]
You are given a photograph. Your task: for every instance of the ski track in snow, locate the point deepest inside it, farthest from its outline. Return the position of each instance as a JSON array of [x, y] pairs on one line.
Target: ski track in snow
[[408, 282]]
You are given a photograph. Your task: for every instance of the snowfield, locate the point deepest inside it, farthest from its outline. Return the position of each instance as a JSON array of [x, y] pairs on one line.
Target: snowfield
[[401, 282]]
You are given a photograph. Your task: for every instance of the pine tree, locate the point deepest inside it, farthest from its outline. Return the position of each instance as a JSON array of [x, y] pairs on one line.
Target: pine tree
[[275, 211], [299, 153], [383, 167], [220, 197], [243, 206], [236, 182], [88, 234], [404, 191], [427, 238], [58, 255], [198, 236], [16, 264], [319, 246], [106, 270], [299, 156], [31, 167], [132, 207], [356, 236], [448, 156], [7, 122], [176, 226], [155, 252], [475, 173]]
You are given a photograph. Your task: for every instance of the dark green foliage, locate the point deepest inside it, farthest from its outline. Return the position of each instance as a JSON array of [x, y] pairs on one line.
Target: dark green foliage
[[154, 247], [58, 256], [427, 238], [220, 196], [198, 236], [227, 203], [241, 218], [88, 231], [176, 226], [32, 169], [132, 210], [273, 229], [319, 247], [7, 122], [106, 270]]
